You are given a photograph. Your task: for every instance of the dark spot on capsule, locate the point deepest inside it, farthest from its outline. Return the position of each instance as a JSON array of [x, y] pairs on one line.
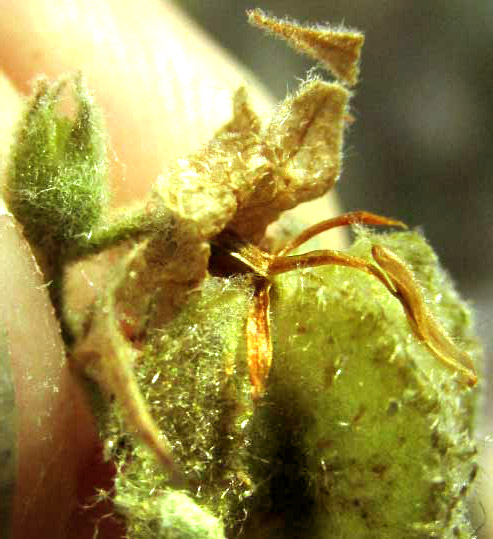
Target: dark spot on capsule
[[463, 490], [361, 412], [301, 329], [325, 443], [329, 374], [473, 473], [401, 440], [380, 469], [393, 407], [437, 442]]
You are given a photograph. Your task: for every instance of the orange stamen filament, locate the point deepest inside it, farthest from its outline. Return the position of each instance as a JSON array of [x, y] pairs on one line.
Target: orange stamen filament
[[346, 219], [259, 342], [395, 277]]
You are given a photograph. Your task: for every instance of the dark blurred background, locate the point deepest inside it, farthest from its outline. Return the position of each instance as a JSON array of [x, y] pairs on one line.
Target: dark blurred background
[[421, 147]]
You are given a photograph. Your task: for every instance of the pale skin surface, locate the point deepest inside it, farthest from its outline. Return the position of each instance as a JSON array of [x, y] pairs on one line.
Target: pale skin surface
[[164, 88]]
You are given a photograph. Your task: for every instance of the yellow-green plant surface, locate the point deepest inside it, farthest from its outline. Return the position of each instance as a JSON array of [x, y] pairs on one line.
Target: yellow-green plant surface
[[361, 433]]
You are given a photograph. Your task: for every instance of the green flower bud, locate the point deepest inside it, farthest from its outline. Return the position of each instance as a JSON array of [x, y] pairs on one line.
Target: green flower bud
[[56, 182]]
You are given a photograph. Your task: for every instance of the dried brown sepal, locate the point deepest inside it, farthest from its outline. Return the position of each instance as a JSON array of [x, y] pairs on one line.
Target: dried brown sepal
[[338, 50], [245, 178], [423, 323], [204, 190], [300, 156], [180, 257], [108, 357], [258, 339], [244, 120]]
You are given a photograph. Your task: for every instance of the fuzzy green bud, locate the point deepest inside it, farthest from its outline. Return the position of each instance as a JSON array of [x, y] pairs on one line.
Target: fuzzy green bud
[[56, 180]]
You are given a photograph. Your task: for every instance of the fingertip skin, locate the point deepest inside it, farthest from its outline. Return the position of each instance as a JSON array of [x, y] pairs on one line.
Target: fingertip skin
[[54, 431]]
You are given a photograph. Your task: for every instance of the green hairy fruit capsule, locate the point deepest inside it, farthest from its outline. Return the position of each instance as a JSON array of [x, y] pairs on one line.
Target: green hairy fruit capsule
[[56, 182], [380, 432], [195, 378], [361, 432]]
